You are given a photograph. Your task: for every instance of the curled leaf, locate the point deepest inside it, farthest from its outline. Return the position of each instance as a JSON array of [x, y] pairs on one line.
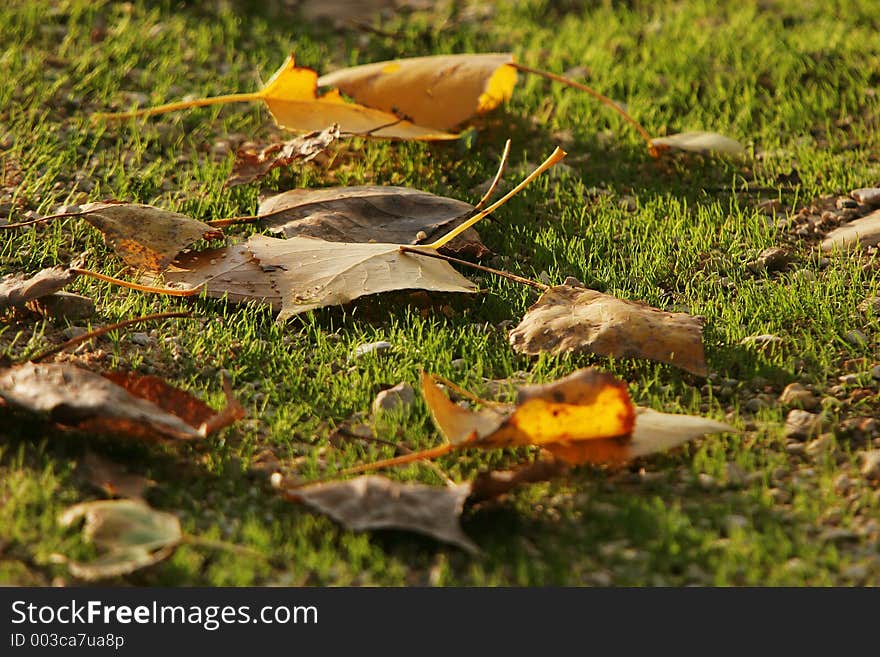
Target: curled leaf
[[373, 502], [16, 290], [569, 319], [143, 236], [129, 533], [699, 142], [370, 213], [119, 404]]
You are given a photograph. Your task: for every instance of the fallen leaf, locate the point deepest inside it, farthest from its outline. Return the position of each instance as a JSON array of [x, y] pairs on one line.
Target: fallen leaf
[[438, 91], [347, 10], [699, 142], [653, 432], [143, 236], [113, 479], [250, 166], [373, 502], [312, 273], [16, 290], [229, 272], [121, 403], [443, 90], [129, 533], [398, 215], [491, 484], [575, 319], [586, 417], [859, 233]]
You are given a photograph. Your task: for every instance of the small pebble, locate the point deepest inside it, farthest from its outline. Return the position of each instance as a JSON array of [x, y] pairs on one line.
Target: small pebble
[[797, 395], [843, 203], [72, 332], [141, 339], [875, 372], [856, 338], [802, 424], [871, 304], [849, 379], [820, 445], [755, 404], [706, 481], [377, 348], [871, 464], [400, 396], [867, 195]]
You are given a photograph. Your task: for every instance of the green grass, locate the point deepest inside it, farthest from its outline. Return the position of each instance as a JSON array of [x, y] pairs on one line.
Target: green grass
[[798, 85]]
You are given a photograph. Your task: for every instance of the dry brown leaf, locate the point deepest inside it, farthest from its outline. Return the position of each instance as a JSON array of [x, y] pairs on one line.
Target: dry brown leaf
[[369, 213], [373, 502], [231, 272], [145, 237], [16, 290], [699, 142], [438, 91], [312, 273], [859, 233], [575, 319], [129, 533], [253, 165], [131, 405], [491, 484], [113, 479]]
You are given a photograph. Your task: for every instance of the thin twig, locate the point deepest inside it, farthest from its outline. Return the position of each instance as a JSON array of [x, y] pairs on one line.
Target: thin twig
[[552, 159], [236, 220], [497, 180], [101, 331], [504, 274], [135, 286], [605, 100]]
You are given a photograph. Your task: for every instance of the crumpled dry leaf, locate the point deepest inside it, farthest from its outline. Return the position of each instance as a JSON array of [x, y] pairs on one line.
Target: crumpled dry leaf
[[250, 165], [312, 273], [699, 142], [143, 236], [586, 417], [131, 534], [859, 233], [113, 479], [369, 213], [231, 272], [120, 403], [567, 318], [17, 289], [438, 91], [374, 502], [587, 405]]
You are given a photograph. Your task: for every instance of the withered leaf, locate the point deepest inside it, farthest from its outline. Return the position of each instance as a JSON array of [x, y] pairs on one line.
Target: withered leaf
[[574, 319], [859, 233], [395, 215], [490, 484], [312, 273], [250, 166], [129, 533], [16, 290], [373, 502], [120, 404], [438, 91], [586, 417], [231, 272], [699, 142], [113, 479], [146, 237]]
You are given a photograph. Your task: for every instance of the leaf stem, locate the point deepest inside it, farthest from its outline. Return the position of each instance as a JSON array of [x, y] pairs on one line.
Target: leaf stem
[[135, 286], [552, 159], [495, 181], [217, 223], [605, 100], [504, 274], [101, 331], [185, 104]]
